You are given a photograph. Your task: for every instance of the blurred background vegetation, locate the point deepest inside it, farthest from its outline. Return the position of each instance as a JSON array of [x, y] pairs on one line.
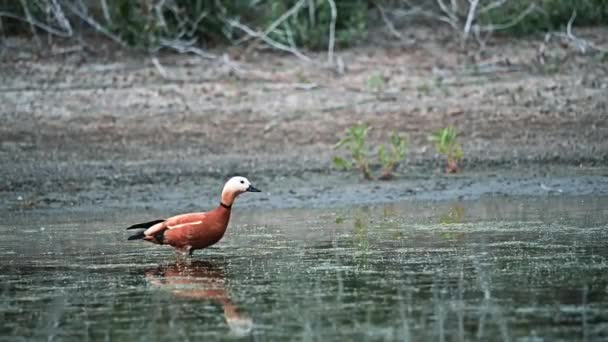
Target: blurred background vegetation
[[150, 25]]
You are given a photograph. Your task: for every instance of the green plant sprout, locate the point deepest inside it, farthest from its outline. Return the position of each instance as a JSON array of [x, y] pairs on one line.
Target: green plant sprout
[[355, 139], [376, 82], [390, 160], [446, 144]]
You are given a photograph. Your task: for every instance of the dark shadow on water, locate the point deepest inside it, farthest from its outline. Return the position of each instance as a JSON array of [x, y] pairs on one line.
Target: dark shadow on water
[[204, 281]]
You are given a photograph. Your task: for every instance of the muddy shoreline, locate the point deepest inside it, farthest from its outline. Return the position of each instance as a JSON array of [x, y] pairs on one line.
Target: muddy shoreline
[[87, 132], [187, 186]]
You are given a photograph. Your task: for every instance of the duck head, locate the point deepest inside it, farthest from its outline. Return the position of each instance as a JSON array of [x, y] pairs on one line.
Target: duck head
[[234, 187]]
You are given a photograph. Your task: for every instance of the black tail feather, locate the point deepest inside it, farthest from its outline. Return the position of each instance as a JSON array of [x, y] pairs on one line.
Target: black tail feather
[[137, 236], [145, 224]]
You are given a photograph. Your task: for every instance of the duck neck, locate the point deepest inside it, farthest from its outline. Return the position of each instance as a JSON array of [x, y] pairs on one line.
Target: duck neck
[[227, 199]]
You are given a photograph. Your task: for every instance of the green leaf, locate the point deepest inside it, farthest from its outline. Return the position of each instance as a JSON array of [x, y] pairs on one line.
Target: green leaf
[[382, 157], [444, 137], [341, 163], [458, 154], [399, 147], [445, 140], [396, 139], [342, 142]]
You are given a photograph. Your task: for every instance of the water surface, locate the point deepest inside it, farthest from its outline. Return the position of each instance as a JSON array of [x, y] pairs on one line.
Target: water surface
[[494, 269]]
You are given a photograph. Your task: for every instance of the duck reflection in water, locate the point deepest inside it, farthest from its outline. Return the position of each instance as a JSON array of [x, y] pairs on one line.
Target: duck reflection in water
[[201, 280]]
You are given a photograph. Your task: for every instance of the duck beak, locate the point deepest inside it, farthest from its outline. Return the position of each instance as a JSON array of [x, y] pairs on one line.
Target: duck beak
[[251, 188]]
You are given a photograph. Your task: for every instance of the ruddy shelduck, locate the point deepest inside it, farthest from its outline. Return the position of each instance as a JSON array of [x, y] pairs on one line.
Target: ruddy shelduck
[[189, 232]]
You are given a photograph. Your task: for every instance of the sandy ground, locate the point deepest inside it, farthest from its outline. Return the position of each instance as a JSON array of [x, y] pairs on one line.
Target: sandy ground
[[83, 130]]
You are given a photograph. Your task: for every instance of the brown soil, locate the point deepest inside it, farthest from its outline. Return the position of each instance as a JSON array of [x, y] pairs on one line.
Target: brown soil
[[101, 127]]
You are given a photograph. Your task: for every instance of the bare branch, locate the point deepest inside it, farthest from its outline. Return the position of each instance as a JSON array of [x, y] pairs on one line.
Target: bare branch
[[581, 44], [273, 43], [332, 32], [158, 10], [37, 24], [492, 6], [311, 12], [61, 18], [521, 16], [161, 70], [470, 17], [185, 46], [454, 4], [452, 17], [264, 35], [98, 27], [570, 22], [387, 22], [30, 20], [106, 11], [293, 10]]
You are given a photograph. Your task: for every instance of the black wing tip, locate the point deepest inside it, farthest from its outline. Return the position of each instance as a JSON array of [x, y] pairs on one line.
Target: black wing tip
[[137, 236], [145, 224]]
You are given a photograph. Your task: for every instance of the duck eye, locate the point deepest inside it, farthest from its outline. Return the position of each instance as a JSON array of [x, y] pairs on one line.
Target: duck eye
[[242, 182]]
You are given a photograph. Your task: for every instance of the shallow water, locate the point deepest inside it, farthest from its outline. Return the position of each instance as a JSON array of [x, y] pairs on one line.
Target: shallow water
[[493, 269]]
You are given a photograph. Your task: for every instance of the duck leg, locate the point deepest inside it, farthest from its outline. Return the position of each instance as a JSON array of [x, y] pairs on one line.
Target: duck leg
[[186, 251]]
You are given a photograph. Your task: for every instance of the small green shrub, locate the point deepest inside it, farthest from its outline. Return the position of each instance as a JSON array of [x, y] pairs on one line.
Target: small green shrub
[[446, 144], [355, 141], [390, 160]]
